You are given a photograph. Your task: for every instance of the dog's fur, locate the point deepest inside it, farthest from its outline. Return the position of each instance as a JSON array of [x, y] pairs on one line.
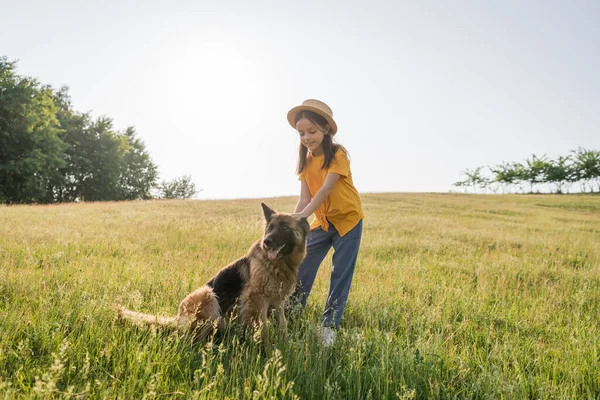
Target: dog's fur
[[252, 286]]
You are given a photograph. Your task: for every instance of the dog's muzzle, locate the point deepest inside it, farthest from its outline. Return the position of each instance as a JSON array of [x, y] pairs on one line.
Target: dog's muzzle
[[274, 251]]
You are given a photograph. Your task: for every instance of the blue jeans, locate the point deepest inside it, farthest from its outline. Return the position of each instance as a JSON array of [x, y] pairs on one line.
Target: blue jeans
[[344, 261]]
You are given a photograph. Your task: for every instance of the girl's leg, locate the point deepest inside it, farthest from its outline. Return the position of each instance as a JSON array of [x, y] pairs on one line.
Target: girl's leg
[[317, 246], [344, 261]]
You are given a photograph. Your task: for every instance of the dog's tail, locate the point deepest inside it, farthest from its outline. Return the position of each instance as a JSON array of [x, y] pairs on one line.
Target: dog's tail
[[146, 319], [199, 314]]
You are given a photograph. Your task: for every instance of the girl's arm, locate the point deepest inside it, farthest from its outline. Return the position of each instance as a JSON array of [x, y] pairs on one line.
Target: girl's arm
[[330, 180], [304, 197]]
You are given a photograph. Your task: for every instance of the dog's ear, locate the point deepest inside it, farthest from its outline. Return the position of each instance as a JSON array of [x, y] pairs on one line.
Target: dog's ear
[[304, 225], [268, 212]]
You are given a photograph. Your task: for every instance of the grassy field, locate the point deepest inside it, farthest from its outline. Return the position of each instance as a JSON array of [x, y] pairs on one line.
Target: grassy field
[[454, 296]]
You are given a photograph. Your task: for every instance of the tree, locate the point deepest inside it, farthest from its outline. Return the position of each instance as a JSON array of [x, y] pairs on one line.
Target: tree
[[30, 147], [101, 164], [596, 169], [459, 184], [74, 133], [474, 179], [508, 174], [102, 155], [179, 188], [51, 153], [138, 173], [581, 166], [535, 171], [558, 172], [587, 167]]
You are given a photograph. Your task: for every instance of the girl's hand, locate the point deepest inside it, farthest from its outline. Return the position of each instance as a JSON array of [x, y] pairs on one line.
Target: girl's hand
[[298, 215]]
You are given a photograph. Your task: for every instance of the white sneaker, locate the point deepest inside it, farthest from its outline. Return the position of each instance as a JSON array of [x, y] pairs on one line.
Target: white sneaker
[[327, 336]]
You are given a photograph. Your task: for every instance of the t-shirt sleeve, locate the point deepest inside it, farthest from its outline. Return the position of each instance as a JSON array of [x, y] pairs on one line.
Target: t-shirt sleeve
[[341, 164]]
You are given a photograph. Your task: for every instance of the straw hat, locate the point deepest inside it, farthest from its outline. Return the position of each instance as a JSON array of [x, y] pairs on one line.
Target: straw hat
[[317, 107]]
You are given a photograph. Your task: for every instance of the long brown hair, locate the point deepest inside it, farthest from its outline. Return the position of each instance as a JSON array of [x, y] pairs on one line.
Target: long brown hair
[[330, 146]]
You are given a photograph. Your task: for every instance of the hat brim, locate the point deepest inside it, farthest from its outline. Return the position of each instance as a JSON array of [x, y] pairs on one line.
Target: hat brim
[[296, 110]]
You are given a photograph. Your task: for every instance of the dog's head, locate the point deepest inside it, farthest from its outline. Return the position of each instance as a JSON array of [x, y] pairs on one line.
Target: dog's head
[[283, 233]]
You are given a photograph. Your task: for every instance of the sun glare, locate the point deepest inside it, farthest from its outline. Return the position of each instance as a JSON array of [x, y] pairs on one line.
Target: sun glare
[[217, 77]]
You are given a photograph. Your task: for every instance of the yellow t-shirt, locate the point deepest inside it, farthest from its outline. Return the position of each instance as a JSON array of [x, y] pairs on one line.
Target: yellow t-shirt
[[342, 207]]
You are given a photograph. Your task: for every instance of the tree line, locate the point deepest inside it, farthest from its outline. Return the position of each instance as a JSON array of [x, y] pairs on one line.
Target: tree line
[[51, 153], [580, 168]]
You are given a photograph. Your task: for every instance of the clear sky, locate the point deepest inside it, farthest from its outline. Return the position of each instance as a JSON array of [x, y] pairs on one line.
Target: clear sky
[[420, 90]]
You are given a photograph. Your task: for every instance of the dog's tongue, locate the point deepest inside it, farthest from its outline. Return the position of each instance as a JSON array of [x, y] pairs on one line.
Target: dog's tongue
[[273, 253]]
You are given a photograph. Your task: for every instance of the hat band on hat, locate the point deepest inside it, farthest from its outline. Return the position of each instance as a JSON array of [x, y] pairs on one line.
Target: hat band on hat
[[317, 107]]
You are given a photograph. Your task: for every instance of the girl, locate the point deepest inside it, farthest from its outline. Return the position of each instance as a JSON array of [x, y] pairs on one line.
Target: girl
[[328, 192]]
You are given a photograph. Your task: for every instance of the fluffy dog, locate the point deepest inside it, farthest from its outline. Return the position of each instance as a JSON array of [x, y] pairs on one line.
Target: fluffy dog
[[253, 285]]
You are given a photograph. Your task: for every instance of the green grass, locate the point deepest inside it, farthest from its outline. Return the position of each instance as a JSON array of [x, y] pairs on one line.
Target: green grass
[[454, 296]]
